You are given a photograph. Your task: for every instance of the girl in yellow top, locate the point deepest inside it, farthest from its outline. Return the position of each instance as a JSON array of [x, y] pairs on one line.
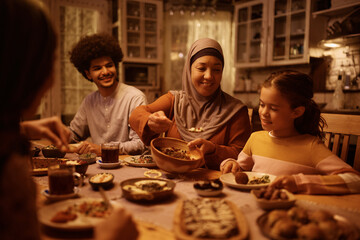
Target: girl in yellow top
[[291, 146]]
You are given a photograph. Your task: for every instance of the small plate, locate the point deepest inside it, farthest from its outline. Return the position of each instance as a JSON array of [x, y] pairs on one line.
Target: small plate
[[47, 194], [131, 161], [275, 204], [82, 222], [107, 165], [229, 180]]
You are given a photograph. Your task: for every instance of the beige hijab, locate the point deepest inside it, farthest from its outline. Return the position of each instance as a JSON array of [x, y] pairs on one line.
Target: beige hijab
[[192, 110]]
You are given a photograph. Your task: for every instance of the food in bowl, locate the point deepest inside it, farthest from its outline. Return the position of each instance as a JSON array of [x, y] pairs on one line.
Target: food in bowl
[[271, 194], [176, 153], [81, 166], [52, 152], [174, 163], [88, 157], [301, 223], [209, 188], [269, 198], [104, 180], [147, 186], [147, 189]]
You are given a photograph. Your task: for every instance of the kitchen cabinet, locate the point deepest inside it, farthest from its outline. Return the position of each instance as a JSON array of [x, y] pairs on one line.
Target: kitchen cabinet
[[251, 32], [141, 39], [288, 32], [270, 33]]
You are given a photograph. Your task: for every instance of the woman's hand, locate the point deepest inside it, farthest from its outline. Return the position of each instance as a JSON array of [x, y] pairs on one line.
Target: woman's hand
[[205, 146], [88, 147], [287, 182], [230, 166], [50, 128], [158, 122], [119, 225]]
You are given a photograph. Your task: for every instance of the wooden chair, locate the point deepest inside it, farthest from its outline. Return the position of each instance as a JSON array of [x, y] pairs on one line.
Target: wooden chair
[[338, 132], [250, 112]]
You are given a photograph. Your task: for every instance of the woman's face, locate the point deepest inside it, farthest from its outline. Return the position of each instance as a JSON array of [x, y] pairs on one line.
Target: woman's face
[[206, 73]]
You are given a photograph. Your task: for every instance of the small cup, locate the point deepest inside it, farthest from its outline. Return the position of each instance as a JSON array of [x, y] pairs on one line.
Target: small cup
[[62, 179], [110, 152]]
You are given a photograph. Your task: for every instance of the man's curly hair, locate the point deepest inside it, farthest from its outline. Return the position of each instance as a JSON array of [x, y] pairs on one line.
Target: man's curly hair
[[92, 47]]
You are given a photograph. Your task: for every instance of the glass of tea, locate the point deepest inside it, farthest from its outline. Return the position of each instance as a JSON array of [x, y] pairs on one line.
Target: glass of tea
[[62, 179], [110, 152]]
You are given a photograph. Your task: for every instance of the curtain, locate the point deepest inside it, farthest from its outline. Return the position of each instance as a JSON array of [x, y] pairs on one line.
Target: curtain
[[182, 30]]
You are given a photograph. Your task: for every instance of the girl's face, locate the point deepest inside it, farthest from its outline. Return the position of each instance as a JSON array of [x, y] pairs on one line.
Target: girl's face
[[275, 113], [206, 73]]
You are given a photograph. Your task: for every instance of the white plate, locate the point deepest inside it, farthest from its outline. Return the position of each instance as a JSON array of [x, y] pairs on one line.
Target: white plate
[[47, 194], [229, 180], [81, 222], [130, 161], [107, 165]]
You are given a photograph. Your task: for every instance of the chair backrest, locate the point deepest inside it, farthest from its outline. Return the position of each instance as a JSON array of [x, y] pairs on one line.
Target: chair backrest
[[250, 112], [341, 128]]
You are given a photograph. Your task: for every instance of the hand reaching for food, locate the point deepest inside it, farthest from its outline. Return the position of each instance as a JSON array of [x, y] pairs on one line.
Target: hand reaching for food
[[88, 147], [287, 182], [50, 128], [205, 146], [230, 166], [158, 122]]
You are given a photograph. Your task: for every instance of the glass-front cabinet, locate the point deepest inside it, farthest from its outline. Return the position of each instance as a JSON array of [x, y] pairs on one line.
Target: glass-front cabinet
[[142, 23], [272, 32], [250, 20], [288, 32]]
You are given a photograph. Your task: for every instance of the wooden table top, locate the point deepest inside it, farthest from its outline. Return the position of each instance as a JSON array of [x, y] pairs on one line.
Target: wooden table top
[[151, 225]]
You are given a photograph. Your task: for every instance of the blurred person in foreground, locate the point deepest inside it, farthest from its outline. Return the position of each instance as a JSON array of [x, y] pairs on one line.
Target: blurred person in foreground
[[104, 114], [201, 113], [27, 53]]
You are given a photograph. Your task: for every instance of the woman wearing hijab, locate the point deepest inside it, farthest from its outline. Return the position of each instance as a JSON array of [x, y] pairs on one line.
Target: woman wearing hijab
[[201, 113]]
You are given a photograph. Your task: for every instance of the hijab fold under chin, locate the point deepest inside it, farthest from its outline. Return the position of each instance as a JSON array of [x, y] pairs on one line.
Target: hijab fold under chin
[[194, 111]]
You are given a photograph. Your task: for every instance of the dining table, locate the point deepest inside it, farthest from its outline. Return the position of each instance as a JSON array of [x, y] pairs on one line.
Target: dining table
[[155, 220]]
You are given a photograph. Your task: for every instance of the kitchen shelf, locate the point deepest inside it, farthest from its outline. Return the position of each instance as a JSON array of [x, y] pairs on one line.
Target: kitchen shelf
[[333, 12]]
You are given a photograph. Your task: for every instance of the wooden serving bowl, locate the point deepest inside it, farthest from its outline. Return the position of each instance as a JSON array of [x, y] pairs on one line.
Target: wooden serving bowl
[[173, 164]]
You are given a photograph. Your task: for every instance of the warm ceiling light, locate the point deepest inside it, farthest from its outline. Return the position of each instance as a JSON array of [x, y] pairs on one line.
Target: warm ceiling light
[[331, 45]]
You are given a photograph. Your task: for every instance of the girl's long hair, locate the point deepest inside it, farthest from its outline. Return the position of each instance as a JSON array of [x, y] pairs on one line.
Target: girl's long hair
[[297, 87]]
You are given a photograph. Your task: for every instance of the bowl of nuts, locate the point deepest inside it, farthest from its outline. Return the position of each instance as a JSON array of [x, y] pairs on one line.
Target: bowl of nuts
[[270, 198], [174, 156]]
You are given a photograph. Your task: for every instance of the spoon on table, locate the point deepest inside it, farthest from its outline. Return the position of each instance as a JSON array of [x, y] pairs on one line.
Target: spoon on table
[[105, 198]]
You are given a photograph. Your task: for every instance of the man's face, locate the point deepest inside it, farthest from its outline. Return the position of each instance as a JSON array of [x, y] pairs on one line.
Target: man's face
[[103, 72]]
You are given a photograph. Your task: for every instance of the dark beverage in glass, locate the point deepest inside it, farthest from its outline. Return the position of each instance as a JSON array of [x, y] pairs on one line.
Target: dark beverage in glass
[[61, 181], [110, 152]]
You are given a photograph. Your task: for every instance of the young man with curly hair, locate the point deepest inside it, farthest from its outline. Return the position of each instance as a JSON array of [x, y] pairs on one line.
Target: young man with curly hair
[[104, 114]]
